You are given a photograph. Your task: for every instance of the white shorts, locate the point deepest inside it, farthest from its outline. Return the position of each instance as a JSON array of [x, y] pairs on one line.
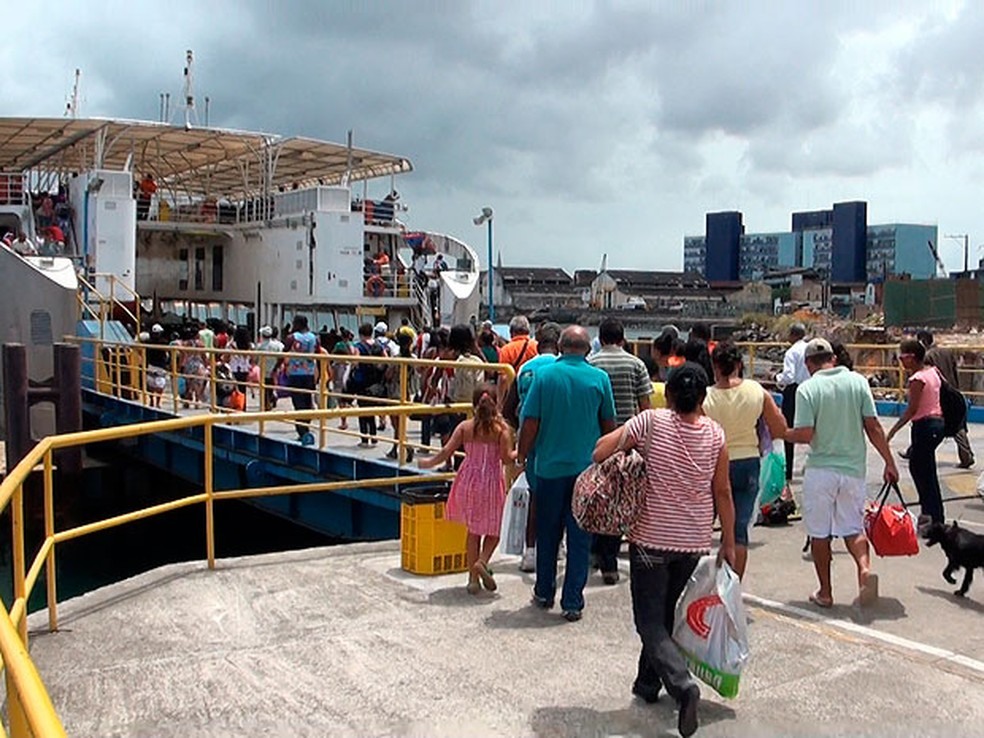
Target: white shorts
[[833, 504]]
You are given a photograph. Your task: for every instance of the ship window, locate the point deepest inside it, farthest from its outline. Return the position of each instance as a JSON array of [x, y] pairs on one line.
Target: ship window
[[217, 268], [183, 269], [41, 328], [200, 268]]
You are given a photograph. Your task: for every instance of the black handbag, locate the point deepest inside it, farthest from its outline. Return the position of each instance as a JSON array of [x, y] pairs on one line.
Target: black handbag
[[954, 408]]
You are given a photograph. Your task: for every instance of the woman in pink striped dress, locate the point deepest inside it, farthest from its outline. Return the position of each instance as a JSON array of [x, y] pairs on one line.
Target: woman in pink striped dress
[[478, 492]]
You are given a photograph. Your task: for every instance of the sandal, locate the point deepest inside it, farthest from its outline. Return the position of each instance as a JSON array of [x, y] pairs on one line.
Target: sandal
[[485, 574], [473, 587], [824, 602]]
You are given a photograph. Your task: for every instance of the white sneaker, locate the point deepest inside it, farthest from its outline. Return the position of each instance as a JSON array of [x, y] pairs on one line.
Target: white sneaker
[[528, 563]]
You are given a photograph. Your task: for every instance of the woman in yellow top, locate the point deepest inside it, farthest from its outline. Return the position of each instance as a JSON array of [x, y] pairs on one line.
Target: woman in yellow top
[[737, 404]]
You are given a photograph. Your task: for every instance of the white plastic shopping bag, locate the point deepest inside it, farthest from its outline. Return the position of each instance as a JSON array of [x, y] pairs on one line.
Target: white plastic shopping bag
[[512, 536], [710, 626]]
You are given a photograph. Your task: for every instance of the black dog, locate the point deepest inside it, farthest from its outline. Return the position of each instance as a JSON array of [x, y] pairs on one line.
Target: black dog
[[962, 548]]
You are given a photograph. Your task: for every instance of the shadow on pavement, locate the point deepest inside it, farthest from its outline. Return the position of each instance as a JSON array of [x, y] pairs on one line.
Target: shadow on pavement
[[527, 617], [887, 608], [947, 594], [637, 720], [458, 597]]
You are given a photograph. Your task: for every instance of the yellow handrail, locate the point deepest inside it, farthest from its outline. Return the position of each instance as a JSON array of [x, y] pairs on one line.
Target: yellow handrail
[[763, 369], [29, 708]]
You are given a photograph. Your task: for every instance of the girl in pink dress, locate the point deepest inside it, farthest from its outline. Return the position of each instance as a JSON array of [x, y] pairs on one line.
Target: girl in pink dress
[[478, 492]]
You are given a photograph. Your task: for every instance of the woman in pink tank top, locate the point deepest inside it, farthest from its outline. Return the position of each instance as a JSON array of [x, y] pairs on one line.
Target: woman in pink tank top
[[923, 409]]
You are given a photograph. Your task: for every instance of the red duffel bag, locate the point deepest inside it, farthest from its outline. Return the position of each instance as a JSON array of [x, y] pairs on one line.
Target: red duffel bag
[[890, 528]]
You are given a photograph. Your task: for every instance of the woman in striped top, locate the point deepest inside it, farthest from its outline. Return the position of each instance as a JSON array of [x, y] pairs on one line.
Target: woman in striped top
[[687, 478]]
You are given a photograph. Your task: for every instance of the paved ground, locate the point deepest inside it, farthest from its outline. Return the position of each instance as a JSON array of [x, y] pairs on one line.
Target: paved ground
[[339, 641]]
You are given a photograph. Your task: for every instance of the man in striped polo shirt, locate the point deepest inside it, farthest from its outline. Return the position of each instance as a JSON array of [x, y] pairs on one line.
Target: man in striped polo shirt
[[631, 387]]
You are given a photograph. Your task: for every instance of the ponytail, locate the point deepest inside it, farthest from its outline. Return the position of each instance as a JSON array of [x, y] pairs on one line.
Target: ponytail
[[488, 420]]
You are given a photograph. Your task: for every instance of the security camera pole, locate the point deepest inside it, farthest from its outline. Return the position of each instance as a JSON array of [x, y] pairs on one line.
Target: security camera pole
[[486, 217]]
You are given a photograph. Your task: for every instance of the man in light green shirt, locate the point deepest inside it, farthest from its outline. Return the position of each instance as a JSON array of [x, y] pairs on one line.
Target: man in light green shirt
[[834, 412]]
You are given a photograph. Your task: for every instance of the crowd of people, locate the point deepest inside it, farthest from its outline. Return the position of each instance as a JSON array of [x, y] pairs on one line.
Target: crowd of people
[[700, 424], [702, 428]]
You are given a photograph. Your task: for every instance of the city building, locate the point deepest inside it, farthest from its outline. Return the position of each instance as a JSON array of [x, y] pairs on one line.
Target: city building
[[723, 232], [837, 243]]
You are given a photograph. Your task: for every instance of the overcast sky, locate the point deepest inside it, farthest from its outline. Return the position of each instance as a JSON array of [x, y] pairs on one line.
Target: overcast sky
[[589, 127]]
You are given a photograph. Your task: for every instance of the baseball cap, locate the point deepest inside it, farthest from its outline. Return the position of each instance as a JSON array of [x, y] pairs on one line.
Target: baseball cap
[[157, 328], [381, 327], [266, 331], [818, 347], [486, 324]]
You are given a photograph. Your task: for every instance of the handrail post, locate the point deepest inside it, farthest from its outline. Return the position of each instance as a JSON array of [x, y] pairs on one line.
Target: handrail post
[[17, 550], [209, 491], [118, 369], [751, 361], [263, 402], [143, 373], [401, 450], [213, 396], [901, 372], [49, 532], [175, 379], [322, 399]]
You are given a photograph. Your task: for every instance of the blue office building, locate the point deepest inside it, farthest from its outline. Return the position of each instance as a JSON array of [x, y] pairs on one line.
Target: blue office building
[[723, 240], [837, 243], [848, 247]]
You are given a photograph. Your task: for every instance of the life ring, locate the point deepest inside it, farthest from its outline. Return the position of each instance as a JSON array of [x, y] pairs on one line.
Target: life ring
[[375, 286]]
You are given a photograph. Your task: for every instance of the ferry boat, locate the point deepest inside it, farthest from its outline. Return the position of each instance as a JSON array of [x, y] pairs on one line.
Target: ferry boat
[[214, 223]]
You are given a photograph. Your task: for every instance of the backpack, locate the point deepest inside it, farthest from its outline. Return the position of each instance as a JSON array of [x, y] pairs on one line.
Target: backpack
[[364, 374], [608, 496], [954, 408]]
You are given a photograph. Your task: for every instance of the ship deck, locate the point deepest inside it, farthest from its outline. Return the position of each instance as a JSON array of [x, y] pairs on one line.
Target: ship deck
[[340, 641]]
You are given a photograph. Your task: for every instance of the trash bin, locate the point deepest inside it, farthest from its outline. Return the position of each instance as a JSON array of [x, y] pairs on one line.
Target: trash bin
[[429, 544]]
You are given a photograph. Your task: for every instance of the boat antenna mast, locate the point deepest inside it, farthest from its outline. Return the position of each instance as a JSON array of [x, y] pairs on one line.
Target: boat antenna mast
[[189, 94], [72, 106]]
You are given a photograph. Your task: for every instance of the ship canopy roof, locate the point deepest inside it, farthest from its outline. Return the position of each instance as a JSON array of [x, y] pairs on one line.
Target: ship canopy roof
[[197, 162]]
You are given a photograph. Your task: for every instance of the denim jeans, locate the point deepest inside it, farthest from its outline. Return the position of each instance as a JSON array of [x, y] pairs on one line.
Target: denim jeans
[[926, 435], [605, 549], [425, 429], [744, 476], [657, 580], [553, 518], [302, 398]]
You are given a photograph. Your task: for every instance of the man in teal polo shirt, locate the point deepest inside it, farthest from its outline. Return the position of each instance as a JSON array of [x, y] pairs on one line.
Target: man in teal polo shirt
[[568, 407]]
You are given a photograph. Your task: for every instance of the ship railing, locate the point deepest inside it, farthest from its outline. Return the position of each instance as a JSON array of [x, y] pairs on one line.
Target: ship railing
[[255, 210], [386, 282], [29, 708], [878, 362], [377, 212], [13, 190], [181, 379], [110, 301]]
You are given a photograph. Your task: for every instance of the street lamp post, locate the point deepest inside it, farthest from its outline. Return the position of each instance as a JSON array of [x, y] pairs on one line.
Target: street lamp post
[[486, 217]]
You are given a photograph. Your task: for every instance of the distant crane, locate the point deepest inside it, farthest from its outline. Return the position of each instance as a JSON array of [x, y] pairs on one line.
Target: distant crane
[[939, 262]]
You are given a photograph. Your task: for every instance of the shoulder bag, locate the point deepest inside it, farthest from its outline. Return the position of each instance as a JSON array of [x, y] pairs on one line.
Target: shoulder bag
[[608, 496]]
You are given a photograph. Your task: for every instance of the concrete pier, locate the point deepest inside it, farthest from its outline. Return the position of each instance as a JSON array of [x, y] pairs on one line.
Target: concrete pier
[[339, 641]]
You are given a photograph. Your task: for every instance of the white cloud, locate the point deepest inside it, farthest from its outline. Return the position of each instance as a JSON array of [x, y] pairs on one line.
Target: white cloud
[[591, 127]]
